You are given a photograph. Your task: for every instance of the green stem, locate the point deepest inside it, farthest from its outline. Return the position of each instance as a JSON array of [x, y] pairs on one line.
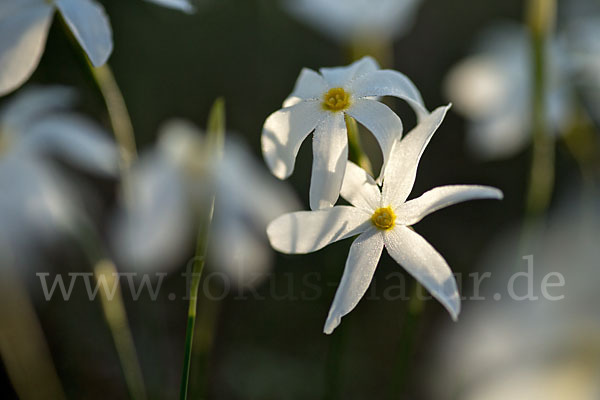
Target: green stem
[[113, 308], [407, 341], [356, 153], [541, 179], [215, 143], [333, 364]]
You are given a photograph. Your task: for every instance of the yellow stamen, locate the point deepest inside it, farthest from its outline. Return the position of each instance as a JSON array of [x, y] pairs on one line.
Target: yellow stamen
[[384, 218], [336, 99]]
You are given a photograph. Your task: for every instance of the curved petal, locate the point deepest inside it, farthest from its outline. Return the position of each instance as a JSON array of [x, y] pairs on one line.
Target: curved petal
[[425, 264], [343, 76], [23, 33], [378, 118], [181, 5], [415, 210], [307, 231], [360, 266], [309, 86], [399, 176], [359, 188], [90, 26], [283, 133], [389, 83], [330, 155], [73, 139]]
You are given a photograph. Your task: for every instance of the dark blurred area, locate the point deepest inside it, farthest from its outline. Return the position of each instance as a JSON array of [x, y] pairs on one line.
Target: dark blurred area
[[268, 342]]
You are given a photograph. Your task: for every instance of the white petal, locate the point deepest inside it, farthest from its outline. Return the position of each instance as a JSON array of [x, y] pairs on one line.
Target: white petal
[[330, 154], [414, 210], [309, 86], [283, 133], [181, 5], [359, 188], [90, 26], [389, 83], [358, 273], [73, 139], [154, 228], [425, 264], [32, 103], [307, 231], [23, 33], [399, 176], [343, 76], [385, 125]]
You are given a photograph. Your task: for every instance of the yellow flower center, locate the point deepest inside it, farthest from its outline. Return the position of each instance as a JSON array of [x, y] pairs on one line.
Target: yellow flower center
[[383, 218], [336, 99]]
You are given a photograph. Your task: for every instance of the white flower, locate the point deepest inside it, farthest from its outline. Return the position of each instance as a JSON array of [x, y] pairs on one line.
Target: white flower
[[493, 89], [320, 102], [170, 192], [24, 28], [36, 201], [181, 5], [381, 219], [348, 20]]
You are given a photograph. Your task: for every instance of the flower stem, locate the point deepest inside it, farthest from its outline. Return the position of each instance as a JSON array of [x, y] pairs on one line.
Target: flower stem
[[113, 99], [541, 179], [355, 150], [407, 340], [215, 139], [113, 308]]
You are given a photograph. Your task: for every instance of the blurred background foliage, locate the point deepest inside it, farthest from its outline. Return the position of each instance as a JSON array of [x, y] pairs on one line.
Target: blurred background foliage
[[251, 51]]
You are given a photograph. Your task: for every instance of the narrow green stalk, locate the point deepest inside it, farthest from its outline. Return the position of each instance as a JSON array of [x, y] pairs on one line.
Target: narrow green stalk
[[333, 363], [356, 153], [406, 343], [541, 181], [215, 142], [117, 112], [113, 99], [113, 308]]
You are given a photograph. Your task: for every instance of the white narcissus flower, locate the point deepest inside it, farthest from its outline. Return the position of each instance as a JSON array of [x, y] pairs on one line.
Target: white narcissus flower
[[319, 103], [381, 219], [348, 20], [170, 188], [24, 28], [493, 89], [36, 202]]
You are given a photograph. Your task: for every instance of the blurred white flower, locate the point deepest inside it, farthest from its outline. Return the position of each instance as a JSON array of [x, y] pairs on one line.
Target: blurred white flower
[[36, 201], [348, 20], [544, 348], [170, 190], [181, 5], [493, 89], [320, 102], [24, 28], [381, 219]]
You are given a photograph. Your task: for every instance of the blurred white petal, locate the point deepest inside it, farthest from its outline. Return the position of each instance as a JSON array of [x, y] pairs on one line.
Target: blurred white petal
[[383, 123], [73, 139], [360, 266], [307, 231], [399, 176], [359, 188], [181, 5], [346, 20], [90, 26], [23, 31], [309, 86], [440, 197], [330, 154], [283, 133], [425, 264]]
